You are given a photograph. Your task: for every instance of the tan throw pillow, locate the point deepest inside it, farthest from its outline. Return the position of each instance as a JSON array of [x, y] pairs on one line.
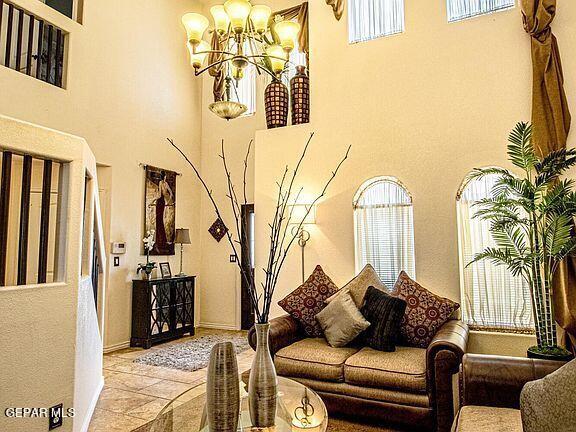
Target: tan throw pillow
[[341, 321], [358, 286], [548, 404]]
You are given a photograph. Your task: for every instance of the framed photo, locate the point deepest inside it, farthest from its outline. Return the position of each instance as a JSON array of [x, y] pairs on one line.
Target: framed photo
[[160, 209], [165, 271]]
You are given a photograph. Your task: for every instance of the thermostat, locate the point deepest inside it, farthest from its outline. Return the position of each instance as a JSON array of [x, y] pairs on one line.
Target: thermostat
[[118, 248]]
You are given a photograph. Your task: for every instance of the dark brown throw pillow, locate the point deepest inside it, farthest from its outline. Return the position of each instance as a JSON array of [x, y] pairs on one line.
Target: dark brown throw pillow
[[385, 314], [308, 300], [425, 312]]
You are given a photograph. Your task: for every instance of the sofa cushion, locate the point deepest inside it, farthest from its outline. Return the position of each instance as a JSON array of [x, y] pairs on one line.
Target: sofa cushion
[[403, 369], [425, 312], [341, 321], [385, 314], [358, 286], [313, 358], [306, 301], [487, 419]]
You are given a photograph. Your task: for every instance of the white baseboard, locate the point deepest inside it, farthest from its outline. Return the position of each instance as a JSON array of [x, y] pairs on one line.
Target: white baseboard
[[217, 326], [116, 347], [92, 406]]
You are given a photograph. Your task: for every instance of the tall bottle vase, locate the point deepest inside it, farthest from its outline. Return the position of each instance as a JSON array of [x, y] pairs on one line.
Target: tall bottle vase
[[276, 103], [222, 389], [263, 383]]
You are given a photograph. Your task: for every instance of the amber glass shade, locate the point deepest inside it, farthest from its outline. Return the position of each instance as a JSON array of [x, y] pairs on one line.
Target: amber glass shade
[[277, 57], [195, 25], [228, 110], [221, 20], [238, 12], [260, 15], [288, 33], [198, 54]]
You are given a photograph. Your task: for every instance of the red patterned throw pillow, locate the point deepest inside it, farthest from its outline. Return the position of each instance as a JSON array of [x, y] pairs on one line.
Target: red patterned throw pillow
[[425, 312], [308, 300]]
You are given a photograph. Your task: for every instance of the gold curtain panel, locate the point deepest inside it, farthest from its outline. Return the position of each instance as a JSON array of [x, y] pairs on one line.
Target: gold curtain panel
[[337, 7], [551, 124]]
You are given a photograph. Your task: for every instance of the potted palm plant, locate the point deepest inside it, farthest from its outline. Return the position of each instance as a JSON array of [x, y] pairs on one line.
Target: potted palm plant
[[532, 223]]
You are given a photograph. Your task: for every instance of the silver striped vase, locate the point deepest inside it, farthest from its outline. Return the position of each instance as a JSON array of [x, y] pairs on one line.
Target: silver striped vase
[[263, 383], [223, 389]]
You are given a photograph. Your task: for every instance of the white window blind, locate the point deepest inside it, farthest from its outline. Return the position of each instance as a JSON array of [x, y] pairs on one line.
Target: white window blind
[[463, 9], [371, 19], [246, 89], [384, 229], [492, 299]]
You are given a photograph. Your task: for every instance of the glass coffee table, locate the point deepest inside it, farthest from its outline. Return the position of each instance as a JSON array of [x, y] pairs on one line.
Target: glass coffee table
[[299, 409]]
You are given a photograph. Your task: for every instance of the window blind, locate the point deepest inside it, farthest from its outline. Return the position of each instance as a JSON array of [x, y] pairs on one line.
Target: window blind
[[246, 90], [492, 299], [371, 19], [384, 229], [463, 9]]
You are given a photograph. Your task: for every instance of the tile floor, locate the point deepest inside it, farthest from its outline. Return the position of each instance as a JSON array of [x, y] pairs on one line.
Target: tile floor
[[134, 393]]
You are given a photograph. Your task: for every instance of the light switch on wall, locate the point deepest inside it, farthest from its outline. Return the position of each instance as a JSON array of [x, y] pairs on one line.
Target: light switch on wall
[[116, 261]]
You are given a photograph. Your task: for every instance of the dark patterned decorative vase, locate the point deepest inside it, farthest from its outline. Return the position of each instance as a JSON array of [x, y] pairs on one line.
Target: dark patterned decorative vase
[[300, 92], [276, 101]]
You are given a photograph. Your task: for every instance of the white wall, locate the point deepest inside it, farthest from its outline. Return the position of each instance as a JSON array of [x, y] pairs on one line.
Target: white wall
[[129, 86], [425, 106]]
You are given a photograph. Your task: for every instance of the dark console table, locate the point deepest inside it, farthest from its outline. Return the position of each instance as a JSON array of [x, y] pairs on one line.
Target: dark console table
[[162, 309]]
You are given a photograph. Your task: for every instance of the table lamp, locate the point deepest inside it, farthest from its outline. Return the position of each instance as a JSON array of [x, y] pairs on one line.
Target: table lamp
[[182, 238]]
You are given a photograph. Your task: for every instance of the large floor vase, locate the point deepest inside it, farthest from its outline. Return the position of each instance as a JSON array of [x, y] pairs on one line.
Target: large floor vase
[[223, 389], [263, 384], [276, 102]]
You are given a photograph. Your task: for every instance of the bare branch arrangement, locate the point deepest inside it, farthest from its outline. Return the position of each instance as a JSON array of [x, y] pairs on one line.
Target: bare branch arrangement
[[281, 237]]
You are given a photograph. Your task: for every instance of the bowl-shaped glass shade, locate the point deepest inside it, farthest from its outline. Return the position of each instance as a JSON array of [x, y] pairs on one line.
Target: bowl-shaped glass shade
[[228, 110], [195, 25], [260, 15], [221, 20], [277, 57], [198, 54], [238, 12], [287, 31]]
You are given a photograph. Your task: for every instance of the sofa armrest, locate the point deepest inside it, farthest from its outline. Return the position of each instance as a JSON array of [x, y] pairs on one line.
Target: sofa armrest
[[497, 381], [443, 358], [284, 331]]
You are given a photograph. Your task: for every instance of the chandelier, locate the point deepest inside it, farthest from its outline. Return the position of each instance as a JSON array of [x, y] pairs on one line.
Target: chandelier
[[245, 36]]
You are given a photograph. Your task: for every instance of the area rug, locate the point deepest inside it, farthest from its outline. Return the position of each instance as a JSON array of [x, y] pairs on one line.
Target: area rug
[[192, 355]]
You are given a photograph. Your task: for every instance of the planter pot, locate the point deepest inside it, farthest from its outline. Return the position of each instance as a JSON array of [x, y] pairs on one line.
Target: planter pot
[[223, 389], [276, 101], [300, 94], [263, 385], [557, 354]]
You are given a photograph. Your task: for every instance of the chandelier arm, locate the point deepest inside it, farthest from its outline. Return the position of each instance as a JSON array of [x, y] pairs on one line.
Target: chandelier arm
[[253, 48]]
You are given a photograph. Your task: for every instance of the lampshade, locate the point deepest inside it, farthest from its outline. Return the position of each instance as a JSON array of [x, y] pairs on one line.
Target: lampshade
[[287, 32], [228, 110], [221, 20], [195, 25], [277, 57], [298, 212], [260, 15], [182, 236], [238, 12], [198, 54]]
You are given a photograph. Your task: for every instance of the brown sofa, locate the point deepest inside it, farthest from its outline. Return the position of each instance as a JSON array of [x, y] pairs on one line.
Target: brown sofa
[[411, 386], [490, 389]]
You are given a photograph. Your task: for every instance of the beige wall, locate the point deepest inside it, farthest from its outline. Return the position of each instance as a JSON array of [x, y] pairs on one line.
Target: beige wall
[[220, 279], [129, 86], [426, 106]]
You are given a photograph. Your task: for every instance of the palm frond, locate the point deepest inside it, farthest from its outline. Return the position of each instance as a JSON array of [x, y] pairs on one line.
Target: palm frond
[[558, 234], [520, 149], [554, 165]]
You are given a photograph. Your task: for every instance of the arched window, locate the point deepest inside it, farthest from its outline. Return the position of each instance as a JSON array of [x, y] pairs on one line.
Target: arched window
[[492, 299], [384, 228]]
